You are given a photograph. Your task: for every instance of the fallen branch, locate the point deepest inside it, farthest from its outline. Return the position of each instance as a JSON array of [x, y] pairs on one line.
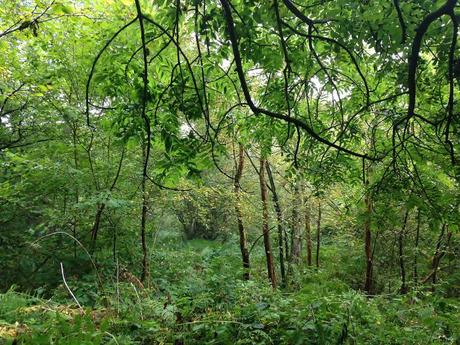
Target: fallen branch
[[68, 289]]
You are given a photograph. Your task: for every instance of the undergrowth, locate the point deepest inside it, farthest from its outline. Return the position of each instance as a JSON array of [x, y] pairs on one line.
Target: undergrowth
[[193, 298]]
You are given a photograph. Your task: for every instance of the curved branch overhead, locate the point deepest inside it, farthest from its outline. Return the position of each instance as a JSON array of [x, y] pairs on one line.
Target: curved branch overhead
[[290, 5], [446, 9], [290, 36], [257, 110]]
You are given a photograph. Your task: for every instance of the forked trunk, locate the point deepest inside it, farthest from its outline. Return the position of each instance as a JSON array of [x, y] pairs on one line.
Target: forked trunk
[[438, 255]]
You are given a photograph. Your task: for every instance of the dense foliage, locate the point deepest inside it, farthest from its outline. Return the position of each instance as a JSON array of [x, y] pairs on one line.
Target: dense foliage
[[160, 159]]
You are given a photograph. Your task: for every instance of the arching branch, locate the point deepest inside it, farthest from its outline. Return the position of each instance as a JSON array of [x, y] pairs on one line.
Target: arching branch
[[257, 110]]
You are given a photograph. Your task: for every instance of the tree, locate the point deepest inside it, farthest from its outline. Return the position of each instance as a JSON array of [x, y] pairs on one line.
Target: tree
[[239, 214], [265, 224]]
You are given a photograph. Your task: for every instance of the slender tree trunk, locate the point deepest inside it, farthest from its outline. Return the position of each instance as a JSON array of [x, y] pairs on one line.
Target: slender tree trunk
[[401, 253], [308, 233], [145, 144], [368, 202], [96, 225], [417, 240], [114, 244], [239, 213], [318, 234], [265, 226], [102, 205], [286, 245], [77, 192], [279, 218], [145, 262], [438, 255], [368, 280], [295, 235]]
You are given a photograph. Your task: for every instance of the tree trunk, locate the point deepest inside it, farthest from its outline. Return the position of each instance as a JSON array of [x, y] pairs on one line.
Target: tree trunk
[[286, 245], [102, 205], [279, 218], [318, 234], [417, 240], [368, 280], [438, 255], [96, 225], [239, 214], [401, 254], [265, 228], [308, 233], [295, 235], [77, 192], [145, 262]]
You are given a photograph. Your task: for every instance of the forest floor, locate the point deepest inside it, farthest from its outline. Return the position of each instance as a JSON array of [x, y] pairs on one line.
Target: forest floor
[[197, 297]]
